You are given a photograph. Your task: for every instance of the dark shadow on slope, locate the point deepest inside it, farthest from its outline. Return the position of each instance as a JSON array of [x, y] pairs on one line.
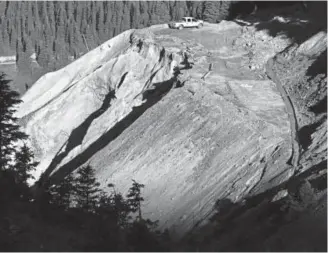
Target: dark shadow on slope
[[257, 224], [77, 135], [186, 63], [122, 80], [291, 184], [161, 54], [227, 208], [246, 8], [320, 107], [151, 96], [293, 12], [241, 8], [319, 66], [298, 32], [319, 183], [304, 134]]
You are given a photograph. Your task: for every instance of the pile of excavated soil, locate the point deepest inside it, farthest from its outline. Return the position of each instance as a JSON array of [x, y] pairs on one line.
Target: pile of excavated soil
[[259, 46]]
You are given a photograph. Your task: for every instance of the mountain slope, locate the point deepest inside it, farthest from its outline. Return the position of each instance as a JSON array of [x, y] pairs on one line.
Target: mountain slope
[[167, 109]]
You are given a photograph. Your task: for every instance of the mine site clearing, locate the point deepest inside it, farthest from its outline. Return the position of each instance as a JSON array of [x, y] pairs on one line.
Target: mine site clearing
[[224, 55]]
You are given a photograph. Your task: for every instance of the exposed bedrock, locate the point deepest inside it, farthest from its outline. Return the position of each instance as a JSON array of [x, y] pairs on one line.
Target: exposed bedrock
[[188, 119]]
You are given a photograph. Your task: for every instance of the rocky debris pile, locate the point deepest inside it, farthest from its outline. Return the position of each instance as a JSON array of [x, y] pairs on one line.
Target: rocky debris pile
[[224, 25], [302, 70], [259, 46]]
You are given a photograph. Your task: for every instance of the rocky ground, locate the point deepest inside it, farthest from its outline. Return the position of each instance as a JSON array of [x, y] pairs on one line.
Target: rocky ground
[[196, 115], [280, 219], [213, 127]]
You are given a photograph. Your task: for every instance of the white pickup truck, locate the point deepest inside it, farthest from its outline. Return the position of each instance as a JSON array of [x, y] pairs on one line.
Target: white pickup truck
[[186, 22]]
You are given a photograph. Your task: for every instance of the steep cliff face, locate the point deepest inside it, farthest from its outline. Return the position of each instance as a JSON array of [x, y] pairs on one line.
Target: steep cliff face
[[182, 112]]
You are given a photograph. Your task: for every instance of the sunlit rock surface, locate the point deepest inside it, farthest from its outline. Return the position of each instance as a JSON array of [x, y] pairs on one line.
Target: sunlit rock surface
[[179, 111]]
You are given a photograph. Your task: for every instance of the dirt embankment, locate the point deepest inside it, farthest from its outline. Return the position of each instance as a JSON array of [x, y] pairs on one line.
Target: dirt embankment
[[294, 160]]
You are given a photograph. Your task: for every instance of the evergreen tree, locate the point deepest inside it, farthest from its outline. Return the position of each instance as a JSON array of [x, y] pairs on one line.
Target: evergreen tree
[[24, 164], [42, 195], [141, 235], [9, 130], [61, 194], [141, 238], [135, 199], [9, 191], [108, 228], [224, 10], [86, 189], [216, 11], [115, 207]]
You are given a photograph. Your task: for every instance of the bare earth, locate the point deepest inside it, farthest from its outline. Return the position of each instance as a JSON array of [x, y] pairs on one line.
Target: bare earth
[[218, 128]]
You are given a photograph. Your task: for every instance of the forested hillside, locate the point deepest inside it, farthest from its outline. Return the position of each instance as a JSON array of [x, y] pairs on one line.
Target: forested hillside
[[59, 32]]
